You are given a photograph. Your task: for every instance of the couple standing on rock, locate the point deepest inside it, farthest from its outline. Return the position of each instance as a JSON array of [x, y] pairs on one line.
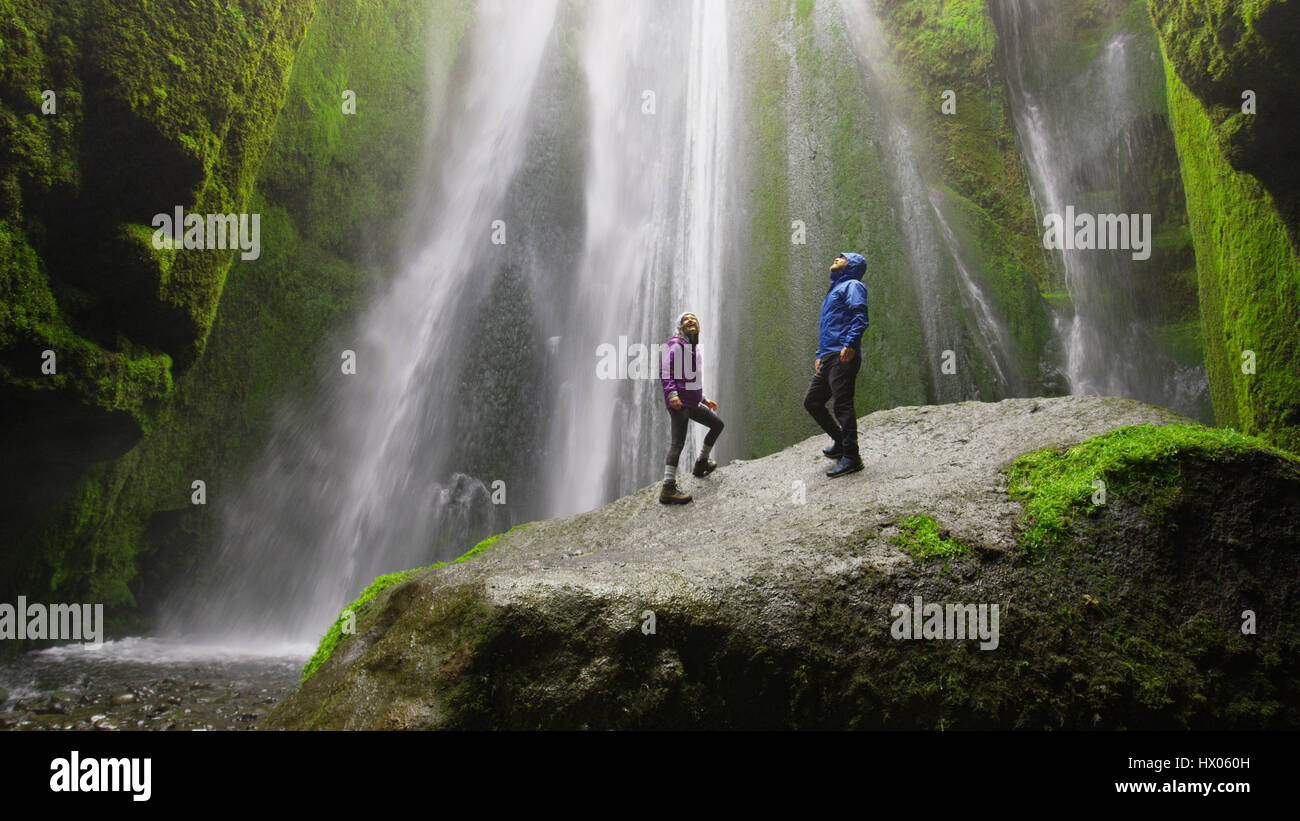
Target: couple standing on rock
[[835, 370]]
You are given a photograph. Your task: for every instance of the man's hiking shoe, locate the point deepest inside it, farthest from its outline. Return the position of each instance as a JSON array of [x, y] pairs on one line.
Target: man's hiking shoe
[[834, 451], [670, 495], [704, 467], [845, 466]]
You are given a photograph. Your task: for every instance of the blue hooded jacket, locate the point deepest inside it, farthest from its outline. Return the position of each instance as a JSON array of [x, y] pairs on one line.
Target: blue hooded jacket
[[844, 311]]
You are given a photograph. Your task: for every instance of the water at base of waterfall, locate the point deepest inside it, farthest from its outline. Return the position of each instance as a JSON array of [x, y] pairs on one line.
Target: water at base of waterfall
[[147, 684]]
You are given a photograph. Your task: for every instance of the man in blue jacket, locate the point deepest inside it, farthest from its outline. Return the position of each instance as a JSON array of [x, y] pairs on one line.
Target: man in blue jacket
[[839, 350]]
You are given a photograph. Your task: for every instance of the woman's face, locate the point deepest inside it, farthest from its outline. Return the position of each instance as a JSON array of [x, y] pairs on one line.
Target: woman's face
[[690, 325]]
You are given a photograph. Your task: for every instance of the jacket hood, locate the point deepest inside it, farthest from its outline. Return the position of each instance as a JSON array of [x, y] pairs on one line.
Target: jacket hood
[[854, 270]]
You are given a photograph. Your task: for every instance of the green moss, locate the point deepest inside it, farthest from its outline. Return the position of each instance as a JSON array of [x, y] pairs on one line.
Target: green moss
[[352, 613], [1143, 463], [922, 539], [1249, 282], [330, 641], [1221, 48], [1183, 341]]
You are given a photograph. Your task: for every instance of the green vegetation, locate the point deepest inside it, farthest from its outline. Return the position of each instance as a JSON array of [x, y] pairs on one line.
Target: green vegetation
[[331, 191], [39, 161], [1249, 281], [922, 539], [1141, 463], [1219, 50], [330, 641]]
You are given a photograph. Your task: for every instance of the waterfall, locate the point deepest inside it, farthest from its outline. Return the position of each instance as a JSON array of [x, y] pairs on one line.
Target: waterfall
[[375, 475], [945, 287], [578, 192], [361, 484], [991, 335], [1079, 132], [657, 199]]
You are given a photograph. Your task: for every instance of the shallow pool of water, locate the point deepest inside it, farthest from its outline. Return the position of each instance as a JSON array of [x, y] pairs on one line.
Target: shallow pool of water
[[147, 684]]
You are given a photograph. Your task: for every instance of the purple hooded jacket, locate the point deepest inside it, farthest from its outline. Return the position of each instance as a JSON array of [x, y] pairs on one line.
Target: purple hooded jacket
[[679, 370]]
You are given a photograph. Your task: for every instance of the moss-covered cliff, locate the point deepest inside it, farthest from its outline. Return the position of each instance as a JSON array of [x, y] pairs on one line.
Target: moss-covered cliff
[[1239, 173], [111, 113], [330, 192], [1229, 53]]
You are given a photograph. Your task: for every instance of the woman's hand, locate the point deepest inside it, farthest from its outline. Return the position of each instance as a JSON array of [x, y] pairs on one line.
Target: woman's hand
[[675, 403], [713, 406]]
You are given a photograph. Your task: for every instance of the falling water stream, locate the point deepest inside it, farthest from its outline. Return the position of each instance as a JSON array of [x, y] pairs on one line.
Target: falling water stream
[[1076, 132], [944, 285], [658, 210], [362, 484], [374, 478]]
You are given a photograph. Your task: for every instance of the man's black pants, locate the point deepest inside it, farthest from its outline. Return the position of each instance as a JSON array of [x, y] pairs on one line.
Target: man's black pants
[[836, 380]]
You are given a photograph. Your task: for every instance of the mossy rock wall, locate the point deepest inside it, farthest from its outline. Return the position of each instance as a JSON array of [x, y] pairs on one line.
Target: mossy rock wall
[[1241, 223], [331, 194], [1222, 49], [951, 46]]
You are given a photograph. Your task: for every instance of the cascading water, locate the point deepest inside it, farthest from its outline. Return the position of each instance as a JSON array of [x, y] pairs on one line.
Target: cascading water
[[1081, 136], [657, 200], [395, 466], [992, 334], [374, 478], [365, 484], [944, 285]]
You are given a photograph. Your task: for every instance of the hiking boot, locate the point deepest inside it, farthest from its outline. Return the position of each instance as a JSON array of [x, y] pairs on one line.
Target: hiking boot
[[844, 466], [834, 451], [670, 495], [704, 467]]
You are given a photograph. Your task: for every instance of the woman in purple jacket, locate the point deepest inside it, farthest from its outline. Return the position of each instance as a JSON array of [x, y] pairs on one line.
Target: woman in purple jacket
[[679, 370]]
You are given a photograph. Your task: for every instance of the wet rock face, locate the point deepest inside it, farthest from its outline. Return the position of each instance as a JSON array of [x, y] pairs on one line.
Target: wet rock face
[[1221, 50], [111, 114], [773, 600]]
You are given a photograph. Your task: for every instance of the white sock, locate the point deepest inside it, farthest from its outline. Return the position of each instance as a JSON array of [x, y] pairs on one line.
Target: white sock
[[670, 474], [704, 451]]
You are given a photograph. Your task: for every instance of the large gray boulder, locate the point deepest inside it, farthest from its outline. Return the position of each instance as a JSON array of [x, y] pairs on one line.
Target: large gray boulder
[[774, 597]]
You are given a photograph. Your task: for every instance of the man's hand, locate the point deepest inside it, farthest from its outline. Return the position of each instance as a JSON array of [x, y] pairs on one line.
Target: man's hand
[[713, 406], [817, 365], [675, 403], [846, 355]]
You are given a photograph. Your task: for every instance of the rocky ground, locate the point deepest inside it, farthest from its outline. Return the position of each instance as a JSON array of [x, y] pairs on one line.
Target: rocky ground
[[117, 689], [772, 596]]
